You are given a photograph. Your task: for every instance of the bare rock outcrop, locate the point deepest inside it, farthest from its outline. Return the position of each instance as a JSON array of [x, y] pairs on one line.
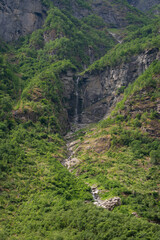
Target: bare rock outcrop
[[20, 17], [144, 5], [109, 204], [98, 90]]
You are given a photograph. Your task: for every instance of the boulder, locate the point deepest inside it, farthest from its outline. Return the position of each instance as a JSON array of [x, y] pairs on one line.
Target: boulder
[[111, 203]]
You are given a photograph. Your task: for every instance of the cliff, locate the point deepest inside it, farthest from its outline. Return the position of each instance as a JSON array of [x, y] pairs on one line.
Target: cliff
[[144, 5], [98, 91], [71, 69], [18, 18]]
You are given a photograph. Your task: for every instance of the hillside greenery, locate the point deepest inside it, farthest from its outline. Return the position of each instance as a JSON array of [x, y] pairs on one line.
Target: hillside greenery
[[39, 197], [121, 155], [135, 43]]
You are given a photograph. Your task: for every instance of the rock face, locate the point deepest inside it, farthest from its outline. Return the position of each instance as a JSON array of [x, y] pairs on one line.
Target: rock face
[[98, 91], [144, 5], [69, 85], [109, 204], [77, 9], [112, 14], [20, 17]]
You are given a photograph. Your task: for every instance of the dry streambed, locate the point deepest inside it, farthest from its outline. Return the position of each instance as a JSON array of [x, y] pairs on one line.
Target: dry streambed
[[72, 161]]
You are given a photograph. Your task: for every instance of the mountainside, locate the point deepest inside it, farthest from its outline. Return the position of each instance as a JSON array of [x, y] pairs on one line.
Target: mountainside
[[89, 65], [101, 82], [19, 18], [120, 155], [143, 5]]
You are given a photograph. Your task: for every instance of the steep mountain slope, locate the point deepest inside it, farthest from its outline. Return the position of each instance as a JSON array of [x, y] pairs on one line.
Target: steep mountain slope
[[63, 46], [155, 11], [42, 92], [42, 200], [143, 5], [18, 18], [101, 82], [121, 154]]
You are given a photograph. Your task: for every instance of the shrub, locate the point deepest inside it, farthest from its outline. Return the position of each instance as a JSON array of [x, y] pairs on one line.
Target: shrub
[[155, 156]]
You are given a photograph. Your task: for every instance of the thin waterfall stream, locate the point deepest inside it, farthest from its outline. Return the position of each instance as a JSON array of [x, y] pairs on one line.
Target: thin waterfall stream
[[72, 159], [115, 37], [77, 100]]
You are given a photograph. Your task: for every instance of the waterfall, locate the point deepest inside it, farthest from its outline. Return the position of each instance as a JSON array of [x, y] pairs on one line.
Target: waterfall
[[77, 100], [115, 37]]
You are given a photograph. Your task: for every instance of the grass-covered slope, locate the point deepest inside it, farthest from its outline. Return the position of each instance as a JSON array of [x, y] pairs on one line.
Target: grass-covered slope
[[121, 155], [39, 198]]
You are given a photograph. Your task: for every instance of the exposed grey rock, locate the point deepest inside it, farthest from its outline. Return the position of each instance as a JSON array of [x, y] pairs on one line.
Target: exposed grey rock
[[144, 5], [117, 37], [72, 145], [111, 13], [109, 204], [20, 17], [70, 163], [98, 91], [135, 214], [68, 80], [95, 194], [112, 203]]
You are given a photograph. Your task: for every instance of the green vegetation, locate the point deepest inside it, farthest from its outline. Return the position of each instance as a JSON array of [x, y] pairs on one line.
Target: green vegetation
[[121, 154], [63, 37], [155, 11], [41, 199], [135, 42], [150, 79], [10, 86]]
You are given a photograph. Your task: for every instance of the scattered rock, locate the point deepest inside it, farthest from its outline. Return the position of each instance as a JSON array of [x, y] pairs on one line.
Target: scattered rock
[[107, 204], [72, 144], [135, 214], [70, 162], [112, 203]]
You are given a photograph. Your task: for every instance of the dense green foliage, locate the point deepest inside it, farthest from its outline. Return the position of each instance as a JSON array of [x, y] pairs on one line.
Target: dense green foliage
[[39, 197], [136, 42], [10, 86], [121, 155], [77, 221], [63, 37]]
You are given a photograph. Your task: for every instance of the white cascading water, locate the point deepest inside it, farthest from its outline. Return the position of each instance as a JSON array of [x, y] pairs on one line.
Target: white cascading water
[[77, 101]]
